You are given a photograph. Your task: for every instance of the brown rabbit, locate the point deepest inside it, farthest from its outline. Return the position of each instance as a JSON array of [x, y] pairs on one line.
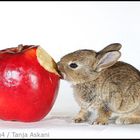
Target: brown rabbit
[[103, 83]]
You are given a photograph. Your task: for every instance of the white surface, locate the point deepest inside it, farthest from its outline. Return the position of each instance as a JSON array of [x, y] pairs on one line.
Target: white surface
[[61, 126], [62, 27]]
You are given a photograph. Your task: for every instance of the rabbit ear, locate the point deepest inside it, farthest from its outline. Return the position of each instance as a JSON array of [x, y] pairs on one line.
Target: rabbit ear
[[111, 47], [107, 60]]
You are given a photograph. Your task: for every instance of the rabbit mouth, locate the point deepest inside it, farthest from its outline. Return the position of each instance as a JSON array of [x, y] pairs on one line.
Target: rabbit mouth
[[63, 75]]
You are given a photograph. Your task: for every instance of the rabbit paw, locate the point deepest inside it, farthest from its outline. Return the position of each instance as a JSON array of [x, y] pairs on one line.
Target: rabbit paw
[[123, 120], [78, 119], [100, 122]]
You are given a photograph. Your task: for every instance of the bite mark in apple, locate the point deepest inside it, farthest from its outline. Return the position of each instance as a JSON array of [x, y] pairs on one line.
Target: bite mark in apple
[[44, 59]]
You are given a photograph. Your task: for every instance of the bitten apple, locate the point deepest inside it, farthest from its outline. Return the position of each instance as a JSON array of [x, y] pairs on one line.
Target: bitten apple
[[29, 83]]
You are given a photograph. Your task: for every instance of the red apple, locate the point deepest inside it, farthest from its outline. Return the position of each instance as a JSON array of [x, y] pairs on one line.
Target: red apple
[[29, 83]]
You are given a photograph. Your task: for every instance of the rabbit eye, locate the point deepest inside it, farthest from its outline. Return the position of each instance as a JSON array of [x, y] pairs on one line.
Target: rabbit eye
[[73, 65]]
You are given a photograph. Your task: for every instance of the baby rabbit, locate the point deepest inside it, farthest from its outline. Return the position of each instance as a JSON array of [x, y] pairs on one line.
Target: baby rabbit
[[103, 83]]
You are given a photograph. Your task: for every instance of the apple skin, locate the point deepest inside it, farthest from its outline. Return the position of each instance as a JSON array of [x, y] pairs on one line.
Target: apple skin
[[27, 90]]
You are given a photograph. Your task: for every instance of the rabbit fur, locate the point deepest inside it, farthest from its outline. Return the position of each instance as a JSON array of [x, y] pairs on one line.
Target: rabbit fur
[[100, 82]]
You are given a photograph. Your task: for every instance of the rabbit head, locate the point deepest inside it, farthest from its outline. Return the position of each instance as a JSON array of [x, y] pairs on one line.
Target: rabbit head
[[86, 65]]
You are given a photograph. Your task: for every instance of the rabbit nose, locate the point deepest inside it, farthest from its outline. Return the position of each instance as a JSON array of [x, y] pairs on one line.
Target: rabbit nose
[[60, 69], [58, 65]]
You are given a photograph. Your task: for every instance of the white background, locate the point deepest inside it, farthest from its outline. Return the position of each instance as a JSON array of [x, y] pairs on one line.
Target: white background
[[62, 27]]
